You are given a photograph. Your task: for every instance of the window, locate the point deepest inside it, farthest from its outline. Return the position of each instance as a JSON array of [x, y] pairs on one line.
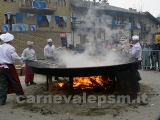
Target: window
[[11, 20], [27, 3], [62, 23], [45, 22], [61, 3], [119, 18], [114, 17], [99, 34], [82, 39], [131, 19]]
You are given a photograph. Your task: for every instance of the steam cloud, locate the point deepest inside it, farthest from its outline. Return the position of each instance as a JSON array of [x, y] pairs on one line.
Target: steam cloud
[[91, 58], [95, 54]]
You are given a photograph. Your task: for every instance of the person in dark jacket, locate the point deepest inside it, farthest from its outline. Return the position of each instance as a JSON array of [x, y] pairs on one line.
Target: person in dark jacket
[[158, 54], [153, 54], [146, 53]]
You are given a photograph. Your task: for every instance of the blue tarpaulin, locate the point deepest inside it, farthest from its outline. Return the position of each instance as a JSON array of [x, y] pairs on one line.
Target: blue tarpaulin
[[38, 4], [147, 29], [99, 20], [5, 27], [74, 18], [113, 24], [33, 27], [19, 18], [57, 19], [19, 27], [40, 19], [133, 25]]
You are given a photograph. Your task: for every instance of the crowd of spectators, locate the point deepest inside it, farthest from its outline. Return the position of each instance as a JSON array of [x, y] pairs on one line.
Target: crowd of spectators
[[150, 56], [150, 51]]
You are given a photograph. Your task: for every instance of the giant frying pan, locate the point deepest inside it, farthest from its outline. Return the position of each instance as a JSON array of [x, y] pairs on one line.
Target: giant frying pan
[[56, 68]]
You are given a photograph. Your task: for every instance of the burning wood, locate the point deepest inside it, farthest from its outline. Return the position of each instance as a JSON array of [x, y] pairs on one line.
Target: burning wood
[[95, 83]]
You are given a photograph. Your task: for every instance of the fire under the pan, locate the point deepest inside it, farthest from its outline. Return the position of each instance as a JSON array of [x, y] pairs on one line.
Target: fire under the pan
[[107, 79], [94, 84]]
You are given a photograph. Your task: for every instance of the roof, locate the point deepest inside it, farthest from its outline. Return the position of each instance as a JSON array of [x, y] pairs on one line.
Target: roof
[[158, 15], [106, 7], [101, 6], [114, 8], [151, 17]]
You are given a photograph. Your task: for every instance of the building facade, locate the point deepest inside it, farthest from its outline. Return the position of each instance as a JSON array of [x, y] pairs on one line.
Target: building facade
[[36, 21], [97, 21]]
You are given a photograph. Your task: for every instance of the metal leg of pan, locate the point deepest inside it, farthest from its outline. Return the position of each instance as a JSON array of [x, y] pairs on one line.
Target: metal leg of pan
[[71, 89], [47, 82]]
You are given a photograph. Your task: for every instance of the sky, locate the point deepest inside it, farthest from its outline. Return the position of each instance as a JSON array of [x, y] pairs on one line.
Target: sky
[[152, 6]]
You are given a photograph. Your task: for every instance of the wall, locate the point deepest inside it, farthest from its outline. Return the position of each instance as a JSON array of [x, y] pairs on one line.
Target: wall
[[13, 7], [38, 38], [110, 34]]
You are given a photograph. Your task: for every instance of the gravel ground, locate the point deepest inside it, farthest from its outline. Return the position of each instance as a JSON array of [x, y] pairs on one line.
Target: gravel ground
[[150, 111]]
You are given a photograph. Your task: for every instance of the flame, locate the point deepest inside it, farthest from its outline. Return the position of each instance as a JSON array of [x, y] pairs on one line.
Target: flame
[[61, 84], [89, 82]]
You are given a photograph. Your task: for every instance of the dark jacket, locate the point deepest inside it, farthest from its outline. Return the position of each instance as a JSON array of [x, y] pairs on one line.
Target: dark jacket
[[158, 54], [158, 46], [153, 47]]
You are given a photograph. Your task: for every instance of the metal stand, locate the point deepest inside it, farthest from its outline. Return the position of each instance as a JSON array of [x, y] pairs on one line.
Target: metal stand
[[71, 89], [47, 82]]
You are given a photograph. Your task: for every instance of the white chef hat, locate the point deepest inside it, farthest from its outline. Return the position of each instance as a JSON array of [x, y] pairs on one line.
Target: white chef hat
[[6, 37], [135, 37], [29, 43], [49, 40]]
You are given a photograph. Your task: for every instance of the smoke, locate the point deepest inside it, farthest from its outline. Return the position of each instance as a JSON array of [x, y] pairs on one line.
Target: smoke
[[95, 21], [93, 56]]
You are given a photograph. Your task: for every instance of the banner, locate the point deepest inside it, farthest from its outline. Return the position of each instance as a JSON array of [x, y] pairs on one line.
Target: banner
[[8, 14], [138, 26], [133, 25], [29, 15], [5, 27], [33, 27], [40, 19], [113, 24], [38, 4], [74, 18], [63, 35], [49, 18], [19, 18], [19, 27], [65, 19], [57, 19]]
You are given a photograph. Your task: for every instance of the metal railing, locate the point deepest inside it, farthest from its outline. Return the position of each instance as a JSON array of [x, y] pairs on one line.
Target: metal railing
[[80, 24], [29, 4], [150, 60]]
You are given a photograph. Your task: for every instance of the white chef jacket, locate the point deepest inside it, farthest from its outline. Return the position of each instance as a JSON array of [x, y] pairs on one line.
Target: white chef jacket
[[49, 51], [8, 55], [136, 51], [29, 53]]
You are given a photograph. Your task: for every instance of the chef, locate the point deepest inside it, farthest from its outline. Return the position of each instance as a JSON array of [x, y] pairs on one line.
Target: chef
[[49, 55], [9, 80], [136, 53], [0, 39], [29, 56], [49, 49]]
